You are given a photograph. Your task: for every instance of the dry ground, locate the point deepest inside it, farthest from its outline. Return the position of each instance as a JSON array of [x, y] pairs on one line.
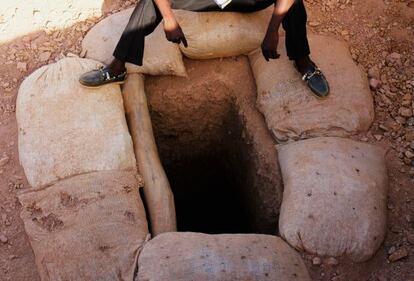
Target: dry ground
[[380, 34]]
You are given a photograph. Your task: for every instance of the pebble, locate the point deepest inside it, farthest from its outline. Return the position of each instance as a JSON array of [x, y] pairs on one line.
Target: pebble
[[314, 23], [374, 72], [316, 261], [22, 66], [374, 83], [409, 154], [45, 56], [3, 239], [398, 254], [405, 112], [391, 250], [331, 261], [4, 161], [378, 137]]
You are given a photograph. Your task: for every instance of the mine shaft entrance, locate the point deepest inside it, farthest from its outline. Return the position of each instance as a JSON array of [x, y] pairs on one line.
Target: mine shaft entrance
[[206, 174], [207, 195]]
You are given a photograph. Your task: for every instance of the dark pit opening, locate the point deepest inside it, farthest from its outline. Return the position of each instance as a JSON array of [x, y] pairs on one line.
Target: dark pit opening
[[206, 176], [207, 194]]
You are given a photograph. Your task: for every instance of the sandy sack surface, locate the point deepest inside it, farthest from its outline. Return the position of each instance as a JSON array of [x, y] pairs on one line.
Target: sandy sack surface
[[290, 109], [224, 257], [88, 227], [66, 129], [334, 202]]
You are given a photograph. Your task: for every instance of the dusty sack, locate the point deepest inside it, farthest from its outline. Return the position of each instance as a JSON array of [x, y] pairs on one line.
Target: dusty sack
[[89, 227], [290, 109], [161, 57], [334, 202], [66, 129], [216, 34], [226, 257]]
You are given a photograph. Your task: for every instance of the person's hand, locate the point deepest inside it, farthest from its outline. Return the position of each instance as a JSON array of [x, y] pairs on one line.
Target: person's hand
[[269, 45], [174, 33]]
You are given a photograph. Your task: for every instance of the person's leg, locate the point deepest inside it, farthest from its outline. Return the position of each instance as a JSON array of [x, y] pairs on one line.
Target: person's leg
[[296, 40], [144, 19], [130, 48], [297, 48]]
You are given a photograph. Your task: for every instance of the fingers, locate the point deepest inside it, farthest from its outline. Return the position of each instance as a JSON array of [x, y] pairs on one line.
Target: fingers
[[184, 40], [265, 55], [180, 39], [269, 54]]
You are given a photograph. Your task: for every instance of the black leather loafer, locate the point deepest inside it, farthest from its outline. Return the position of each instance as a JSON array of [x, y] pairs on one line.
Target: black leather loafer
[[317, 82], [100, 77]]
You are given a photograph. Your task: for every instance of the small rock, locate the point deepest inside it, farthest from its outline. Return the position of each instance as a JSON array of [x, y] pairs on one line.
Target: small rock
[[3, 239], [331, 261], [314, 23], [4, 161], [45, 56], [378, 137], [412, 144], [409, 135], [393, 58], [398, 254], [401, 120], [374, 72], [409, 154], [405, 112], [22, 66], [391, 250], [374, 83], [316, 261]]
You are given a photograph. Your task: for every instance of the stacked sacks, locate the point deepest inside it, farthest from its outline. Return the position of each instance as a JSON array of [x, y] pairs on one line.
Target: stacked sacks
[[335, 189], [291, 112], [83, 215], [334, 202], [202, 257], [160, 56]]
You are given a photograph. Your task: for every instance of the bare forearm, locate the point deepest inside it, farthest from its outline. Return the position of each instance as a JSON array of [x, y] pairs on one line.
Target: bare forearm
[[165, 9], [281, 8]]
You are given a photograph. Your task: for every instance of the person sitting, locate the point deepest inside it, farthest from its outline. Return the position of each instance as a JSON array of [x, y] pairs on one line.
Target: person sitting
[[149, 13]]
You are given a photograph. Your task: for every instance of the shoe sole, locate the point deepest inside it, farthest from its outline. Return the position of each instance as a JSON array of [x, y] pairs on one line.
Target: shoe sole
[[100, 86], [316, 96]]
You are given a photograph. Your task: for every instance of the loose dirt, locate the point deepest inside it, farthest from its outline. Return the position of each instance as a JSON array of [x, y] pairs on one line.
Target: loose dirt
[[380, 34]]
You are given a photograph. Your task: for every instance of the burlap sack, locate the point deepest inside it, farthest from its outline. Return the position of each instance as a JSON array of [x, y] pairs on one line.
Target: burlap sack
[[88, 227], [334, 202], [292, 112], [161, 57], [217, 34], [66, 129], [195, 256]]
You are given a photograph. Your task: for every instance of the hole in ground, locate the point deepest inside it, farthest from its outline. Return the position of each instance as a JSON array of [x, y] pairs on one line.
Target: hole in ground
[[207, 186], [221, 182]]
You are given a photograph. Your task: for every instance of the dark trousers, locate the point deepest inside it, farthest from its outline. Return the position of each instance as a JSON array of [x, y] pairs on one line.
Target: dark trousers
[[146, 18]]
